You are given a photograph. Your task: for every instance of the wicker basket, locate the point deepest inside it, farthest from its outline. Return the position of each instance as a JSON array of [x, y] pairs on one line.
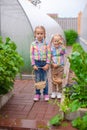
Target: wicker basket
[[56, 80], [40, 84]]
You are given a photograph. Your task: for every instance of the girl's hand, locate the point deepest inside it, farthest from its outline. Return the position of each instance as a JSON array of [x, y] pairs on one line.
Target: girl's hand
[[35, 67], [46, 67], [54, 65]]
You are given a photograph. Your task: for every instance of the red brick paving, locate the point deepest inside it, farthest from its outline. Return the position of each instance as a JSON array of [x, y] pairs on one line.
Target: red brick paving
[[24, 110], [22, 107]]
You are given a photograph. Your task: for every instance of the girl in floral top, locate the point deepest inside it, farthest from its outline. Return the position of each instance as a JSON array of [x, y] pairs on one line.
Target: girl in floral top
[[57, 61], [40, 55]]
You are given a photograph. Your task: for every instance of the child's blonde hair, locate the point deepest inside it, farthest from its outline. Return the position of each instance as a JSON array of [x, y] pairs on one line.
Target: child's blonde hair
[[40, 27], [61, 40]]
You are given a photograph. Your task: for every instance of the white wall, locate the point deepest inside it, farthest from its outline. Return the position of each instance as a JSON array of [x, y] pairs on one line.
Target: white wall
[[84, 23]]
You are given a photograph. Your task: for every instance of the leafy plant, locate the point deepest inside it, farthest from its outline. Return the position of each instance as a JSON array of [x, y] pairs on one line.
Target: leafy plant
[[64, 105], [56, 120], [77, 93], [78, 63], [10, 63], [80, 123], [71, 36]]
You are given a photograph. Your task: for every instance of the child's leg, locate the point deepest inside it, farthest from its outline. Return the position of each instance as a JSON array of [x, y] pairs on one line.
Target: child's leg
[[60, 75], [37, 79], [45, 78], [59, 93], [54, 91], [53, 95], [45, 90], [54, 88]]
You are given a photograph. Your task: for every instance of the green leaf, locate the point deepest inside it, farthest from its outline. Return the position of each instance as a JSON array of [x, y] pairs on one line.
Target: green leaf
[[74, 105], [7, 40], [56, 120]]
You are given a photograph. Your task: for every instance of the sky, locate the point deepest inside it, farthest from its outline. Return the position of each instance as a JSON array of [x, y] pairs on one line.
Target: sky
[[64, 8]]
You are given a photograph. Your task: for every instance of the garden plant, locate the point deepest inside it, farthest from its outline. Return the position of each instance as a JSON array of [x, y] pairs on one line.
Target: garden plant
[[76, 95], [71, 36], [10, 64]]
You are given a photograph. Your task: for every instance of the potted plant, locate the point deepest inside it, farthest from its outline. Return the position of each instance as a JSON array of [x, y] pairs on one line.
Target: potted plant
[[10, 63]]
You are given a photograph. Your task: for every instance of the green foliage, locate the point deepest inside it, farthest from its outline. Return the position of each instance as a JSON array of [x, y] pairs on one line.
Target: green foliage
[[78, 63], [56, 120], [64, 105], [10, 63], [70, 36], [74, 105], [77, 93], [80, 123]]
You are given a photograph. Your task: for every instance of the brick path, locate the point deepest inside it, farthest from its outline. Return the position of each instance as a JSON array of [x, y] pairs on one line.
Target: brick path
[[21, 105], [22, 112]]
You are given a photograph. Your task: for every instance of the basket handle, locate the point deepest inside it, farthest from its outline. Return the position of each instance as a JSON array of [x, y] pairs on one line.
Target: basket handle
[[33, 76]]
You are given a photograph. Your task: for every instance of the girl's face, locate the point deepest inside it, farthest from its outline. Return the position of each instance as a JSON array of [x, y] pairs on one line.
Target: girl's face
[[39, 34], [56, 42]]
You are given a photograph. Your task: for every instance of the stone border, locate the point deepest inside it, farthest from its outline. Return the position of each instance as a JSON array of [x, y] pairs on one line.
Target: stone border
[[73, 115], [4, 98]]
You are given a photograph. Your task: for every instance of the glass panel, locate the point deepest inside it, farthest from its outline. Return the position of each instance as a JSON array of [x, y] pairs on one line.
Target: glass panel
[[14, 24]]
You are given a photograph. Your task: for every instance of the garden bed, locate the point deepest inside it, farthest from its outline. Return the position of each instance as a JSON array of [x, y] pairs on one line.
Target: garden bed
[[81, 111], [4, 98]]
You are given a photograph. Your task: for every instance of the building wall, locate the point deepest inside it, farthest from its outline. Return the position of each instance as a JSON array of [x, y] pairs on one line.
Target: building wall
[[68, 23], [83, 30], [79, 22], [84, 24], [54, 16]]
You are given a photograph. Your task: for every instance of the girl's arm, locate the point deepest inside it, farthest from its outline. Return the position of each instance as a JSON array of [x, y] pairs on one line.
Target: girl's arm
[[32, 55], [63, 51], [53, 63], [48, 59]]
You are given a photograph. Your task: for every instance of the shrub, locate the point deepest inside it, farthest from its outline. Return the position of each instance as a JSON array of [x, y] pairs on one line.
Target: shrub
[[71, 36], [10, 63]]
